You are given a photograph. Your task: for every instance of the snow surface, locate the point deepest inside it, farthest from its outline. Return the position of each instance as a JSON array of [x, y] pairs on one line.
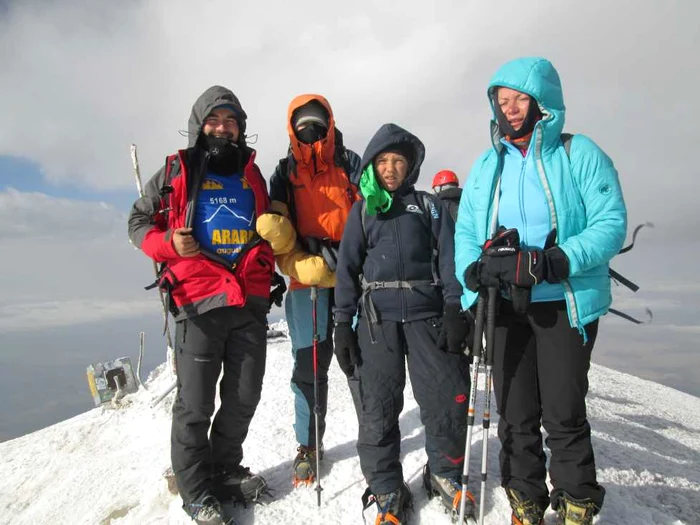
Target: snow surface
[[105, 467]]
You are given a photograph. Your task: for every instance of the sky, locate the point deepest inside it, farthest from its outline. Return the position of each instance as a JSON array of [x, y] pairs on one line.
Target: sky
[[646, 460], [82, 81]]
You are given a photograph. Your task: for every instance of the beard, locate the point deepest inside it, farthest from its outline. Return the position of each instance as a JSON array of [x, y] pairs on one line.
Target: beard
[[225, 155]]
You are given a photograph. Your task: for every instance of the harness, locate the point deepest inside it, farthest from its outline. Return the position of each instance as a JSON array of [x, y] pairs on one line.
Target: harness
[[427, 205]]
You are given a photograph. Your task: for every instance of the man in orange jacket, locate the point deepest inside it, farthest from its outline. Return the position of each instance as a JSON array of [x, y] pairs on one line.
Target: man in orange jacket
[[312, 191]]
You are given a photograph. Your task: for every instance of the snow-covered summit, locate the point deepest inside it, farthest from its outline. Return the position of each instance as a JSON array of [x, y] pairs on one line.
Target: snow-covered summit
[[105, 467]]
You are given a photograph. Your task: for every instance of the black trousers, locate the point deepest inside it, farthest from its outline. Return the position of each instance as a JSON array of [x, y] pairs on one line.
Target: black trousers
[[541, 378], [440, 385], [235, 338]]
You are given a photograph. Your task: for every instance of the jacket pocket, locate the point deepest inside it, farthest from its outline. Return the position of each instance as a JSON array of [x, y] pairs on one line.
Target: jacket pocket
[[256, 271]]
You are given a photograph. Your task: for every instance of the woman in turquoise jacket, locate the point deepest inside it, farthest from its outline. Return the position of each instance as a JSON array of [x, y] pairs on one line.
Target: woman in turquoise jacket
[[561, 212]]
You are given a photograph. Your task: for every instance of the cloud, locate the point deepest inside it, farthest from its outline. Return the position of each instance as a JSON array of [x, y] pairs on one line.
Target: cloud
[[39, 217], [81, 82], [67, 261], [37, 316]]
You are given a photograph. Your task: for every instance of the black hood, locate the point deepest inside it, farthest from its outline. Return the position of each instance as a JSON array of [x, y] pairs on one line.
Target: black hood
[[213, 97], [388, 135]]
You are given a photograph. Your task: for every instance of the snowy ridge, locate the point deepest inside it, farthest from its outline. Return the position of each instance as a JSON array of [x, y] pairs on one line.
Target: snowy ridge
[[105, 467]]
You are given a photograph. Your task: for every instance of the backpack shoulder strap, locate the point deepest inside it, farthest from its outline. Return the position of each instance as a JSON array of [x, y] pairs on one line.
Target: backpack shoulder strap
[[363, 214], [285, 169], [167, 187], [170, 161], [342, 160], [284, 166], [566, 139], [430, 210]]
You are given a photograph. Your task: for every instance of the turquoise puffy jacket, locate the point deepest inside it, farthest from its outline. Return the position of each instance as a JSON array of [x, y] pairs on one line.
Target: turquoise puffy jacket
[[583, 194]]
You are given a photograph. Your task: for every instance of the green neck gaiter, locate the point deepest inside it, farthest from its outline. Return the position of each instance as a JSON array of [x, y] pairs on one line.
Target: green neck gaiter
[[378, 199]]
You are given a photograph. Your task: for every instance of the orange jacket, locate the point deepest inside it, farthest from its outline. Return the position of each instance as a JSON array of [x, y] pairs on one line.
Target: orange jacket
[[313, 188]]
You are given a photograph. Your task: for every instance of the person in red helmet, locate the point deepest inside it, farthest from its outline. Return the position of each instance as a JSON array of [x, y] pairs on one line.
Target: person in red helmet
[[446, 186]]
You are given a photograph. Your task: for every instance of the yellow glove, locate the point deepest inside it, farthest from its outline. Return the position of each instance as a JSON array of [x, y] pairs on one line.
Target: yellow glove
[[277, 230], [310, 270]]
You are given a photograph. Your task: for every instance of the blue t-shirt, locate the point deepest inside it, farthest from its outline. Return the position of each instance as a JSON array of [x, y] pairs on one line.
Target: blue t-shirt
[[224, 216]]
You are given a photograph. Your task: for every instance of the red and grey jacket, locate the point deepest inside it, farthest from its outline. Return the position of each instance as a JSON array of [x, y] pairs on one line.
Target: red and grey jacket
[[201, 283]]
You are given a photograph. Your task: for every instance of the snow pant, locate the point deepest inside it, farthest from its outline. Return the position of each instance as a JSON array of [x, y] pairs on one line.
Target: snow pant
[[298, 309], [237, 339], [441, 388], [540, 377]]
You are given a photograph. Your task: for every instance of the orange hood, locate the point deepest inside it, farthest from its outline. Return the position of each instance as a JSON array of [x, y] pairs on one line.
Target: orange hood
[[323, 149]]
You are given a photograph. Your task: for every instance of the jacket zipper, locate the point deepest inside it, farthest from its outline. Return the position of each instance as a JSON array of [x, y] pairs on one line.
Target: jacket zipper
[[568, 290], [400, 270], [521, 197]]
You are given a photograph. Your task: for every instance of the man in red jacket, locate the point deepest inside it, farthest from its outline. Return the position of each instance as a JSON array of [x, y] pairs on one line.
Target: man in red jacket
[[197, 218]]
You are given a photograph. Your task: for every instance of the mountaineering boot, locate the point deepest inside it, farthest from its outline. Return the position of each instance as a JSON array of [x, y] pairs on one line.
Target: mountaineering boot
[[392, 508], [240, 485], [525, 510], [450, 493], [305, 465], [572, 511], [206, 510]]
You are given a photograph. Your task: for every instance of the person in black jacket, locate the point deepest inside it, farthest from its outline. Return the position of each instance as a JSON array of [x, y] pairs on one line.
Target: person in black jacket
[[396, 262]]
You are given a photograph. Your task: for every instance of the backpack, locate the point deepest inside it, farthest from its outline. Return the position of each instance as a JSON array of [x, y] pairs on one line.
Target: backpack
[[617, 278]]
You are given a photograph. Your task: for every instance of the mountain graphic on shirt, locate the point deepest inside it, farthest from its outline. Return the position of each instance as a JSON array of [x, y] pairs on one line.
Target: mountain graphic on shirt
[[224, 207], [211, 184]]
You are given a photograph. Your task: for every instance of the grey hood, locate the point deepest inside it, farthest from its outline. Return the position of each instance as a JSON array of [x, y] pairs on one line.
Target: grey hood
[[214, 97]]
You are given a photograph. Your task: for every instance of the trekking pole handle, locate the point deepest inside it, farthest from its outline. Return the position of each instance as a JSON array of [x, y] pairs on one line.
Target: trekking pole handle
[[479, 325], [490, 325], [137, 170]]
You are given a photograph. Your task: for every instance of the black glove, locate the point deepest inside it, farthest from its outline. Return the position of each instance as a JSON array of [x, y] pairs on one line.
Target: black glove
[[520, 297], [471, 277], [510, 265], [504, 242], [523, 268], [277, 291], [347, 350], [325, 247], [503, 262], [457, 330]]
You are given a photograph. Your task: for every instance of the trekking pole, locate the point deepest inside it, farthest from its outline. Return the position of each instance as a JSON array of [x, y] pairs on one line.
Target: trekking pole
[[476, 353], [142, 344], [139, 186], [488, 365], [317, 405], [164, 394], [170, 356]]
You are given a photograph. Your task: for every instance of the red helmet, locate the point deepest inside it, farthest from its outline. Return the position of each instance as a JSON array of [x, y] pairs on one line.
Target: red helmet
[[445, 177]]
